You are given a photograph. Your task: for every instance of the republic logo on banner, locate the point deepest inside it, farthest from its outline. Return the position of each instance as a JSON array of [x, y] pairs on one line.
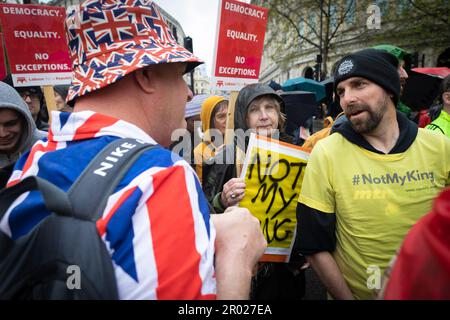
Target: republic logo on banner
[[36, 44], [239, 44]]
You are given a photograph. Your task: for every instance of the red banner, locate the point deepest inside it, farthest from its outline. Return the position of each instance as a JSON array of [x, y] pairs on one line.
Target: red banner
[[36, 44], [239, 45], [2, 59]]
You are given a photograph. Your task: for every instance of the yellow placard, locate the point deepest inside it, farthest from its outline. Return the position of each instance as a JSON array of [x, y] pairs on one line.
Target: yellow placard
[[273, 173]]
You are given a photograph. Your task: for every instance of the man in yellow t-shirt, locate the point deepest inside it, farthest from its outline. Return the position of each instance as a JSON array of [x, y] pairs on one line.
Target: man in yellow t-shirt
[[369, 182]]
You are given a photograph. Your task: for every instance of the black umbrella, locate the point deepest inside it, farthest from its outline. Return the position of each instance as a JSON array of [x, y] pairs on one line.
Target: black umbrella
[[420, 90], [299, 107], [329, 84], [332, 104]]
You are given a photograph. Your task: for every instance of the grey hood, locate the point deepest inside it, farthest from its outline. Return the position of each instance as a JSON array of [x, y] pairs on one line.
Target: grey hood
[[245, 97], [10, 99]]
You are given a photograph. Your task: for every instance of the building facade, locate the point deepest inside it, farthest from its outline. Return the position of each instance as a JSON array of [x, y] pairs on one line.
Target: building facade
[[202, 83], [357, 25]]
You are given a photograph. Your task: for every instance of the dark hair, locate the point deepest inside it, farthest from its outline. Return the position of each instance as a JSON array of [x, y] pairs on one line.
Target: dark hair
[[445, 86], [220, 105], [62, 90]]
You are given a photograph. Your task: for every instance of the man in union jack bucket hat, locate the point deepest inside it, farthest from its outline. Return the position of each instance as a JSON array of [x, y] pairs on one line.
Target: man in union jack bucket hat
[[110, 39], [156, 225]]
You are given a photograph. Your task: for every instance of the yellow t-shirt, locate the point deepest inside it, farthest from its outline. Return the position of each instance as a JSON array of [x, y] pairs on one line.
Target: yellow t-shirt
[[376, 198]]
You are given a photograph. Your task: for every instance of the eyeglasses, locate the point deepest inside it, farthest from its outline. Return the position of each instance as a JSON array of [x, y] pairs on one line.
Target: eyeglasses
[[33, 96]]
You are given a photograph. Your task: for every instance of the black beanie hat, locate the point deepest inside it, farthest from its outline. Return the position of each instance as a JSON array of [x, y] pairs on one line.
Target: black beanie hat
[[375, 65]]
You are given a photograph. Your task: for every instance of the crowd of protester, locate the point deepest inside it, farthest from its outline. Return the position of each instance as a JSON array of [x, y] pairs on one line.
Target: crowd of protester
[[214, 246]]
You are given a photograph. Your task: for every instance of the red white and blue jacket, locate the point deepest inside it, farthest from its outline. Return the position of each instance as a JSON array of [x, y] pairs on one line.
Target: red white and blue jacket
[[156, 224]]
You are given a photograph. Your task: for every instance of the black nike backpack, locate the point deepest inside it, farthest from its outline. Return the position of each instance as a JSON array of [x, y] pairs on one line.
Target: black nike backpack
[[63, 256]]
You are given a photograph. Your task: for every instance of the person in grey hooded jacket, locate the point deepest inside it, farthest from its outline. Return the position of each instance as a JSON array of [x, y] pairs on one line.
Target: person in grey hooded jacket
[[17, 130], [227, 164], [258, 109]]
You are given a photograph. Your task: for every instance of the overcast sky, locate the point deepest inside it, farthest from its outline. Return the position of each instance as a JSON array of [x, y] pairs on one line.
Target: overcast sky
[[198, 19]]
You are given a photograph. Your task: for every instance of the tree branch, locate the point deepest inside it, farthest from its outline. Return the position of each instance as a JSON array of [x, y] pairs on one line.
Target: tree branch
[[294, 25], [341, 21], [313, 28], [434, 16]]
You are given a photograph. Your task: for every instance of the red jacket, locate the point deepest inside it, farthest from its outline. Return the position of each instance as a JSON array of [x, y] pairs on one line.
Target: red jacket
[[424, 118], [422, 268]]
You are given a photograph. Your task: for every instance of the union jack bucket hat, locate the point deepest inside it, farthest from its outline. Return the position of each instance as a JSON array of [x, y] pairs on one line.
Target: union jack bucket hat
[[110, 38]]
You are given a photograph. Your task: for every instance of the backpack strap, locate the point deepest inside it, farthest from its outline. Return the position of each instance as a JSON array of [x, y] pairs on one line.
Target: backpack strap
[[87, 197], [90, 192], [55, 199]]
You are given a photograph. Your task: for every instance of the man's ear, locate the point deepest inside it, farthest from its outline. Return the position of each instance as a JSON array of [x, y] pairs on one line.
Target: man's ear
[[392, 97], [145, 78], [446, 97]]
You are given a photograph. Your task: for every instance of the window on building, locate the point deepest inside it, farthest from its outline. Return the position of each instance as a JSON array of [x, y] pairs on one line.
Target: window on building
[[301, 27], [350, 9], [312, 20], [383, 5], [403, 6], [174, 33], [308, 72], [334, 15]]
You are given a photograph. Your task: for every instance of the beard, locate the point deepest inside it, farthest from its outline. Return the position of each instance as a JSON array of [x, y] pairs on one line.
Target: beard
[[402, 85], [368, 125]]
